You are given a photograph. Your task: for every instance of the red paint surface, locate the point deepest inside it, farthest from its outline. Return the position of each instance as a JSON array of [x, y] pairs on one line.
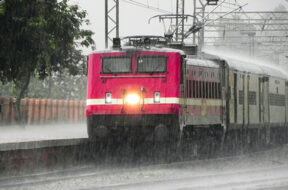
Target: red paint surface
[[168, 86]]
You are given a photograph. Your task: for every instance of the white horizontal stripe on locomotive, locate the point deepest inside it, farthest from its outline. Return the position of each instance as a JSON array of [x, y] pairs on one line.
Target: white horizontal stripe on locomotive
[[182, 101]]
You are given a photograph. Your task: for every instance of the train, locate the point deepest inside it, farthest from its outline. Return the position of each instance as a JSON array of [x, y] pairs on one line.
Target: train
[[153, 90]]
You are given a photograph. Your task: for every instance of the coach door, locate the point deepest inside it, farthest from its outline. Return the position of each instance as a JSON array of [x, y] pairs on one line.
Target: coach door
[[235, 89], [183, 93], [242, 99], [233, 97], [261, 100], [265, 100]]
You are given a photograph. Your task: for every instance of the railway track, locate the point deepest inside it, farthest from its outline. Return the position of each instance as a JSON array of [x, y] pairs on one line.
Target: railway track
[[259, 170]]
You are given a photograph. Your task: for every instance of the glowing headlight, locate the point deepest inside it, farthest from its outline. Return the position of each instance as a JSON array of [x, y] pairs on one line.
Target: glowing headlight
[[132, 99], [108, 98], [157, 97]]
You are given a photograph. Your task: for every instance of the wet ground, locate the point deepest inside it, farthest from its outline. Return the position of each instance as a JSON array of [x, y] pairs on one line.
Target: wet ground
[[12, 134], [261, 170]]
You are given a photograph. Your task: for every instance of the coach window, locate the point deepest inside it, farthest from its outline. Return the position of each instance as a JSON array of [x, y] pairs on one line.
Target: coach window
[[201, 89], [215, 90], [204, 90], [218, 90], [209, 89], [151, 64], [212, 90], [116, 64], [196, 89], [193, 89], [188, 88], [194, 73]]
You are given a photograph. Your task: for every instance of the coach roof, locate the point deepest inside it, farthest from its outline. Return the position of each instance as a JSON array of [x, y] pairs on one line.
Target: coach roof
[[202, 63], [251, 66]]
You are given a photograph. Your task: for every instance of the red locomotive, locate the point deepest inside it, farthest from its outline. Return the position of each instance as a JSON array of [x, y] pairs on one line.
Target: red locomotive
[[134, 91]]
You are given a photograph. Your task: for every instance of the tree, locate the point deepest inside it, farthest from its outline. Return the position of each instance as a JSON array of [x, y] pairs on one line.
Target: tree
[[58, 86], [38, 38]]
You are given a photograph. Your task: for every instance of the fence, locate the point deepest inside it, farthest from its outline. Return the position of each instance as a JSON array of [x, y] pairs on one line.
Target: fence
[[41, 110]]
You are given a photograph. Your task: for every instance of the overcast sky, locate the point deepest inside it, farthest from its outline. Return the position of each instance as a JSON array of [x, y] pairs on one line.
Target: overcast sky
[[134, 19]]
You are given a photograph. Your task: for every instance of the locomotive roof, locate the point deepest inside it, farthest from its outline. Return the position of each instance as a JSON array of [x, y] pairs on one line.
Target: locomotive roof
[[132, 48], [251, 66]]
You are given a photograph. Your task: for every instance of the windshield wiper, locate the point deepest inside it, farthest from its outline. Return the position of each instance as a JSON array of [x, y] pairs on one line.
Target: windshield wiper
[[108, 69], [155, 70]]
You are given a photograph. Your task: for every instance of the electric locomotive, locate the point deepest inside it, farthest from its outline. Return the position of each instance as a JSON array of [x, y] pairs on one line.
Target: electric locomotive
[[135, 92]]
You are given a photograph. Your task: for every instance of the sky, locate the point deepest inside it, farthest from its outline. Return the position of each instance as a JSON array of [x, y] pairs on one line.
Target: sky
[[134, 19]]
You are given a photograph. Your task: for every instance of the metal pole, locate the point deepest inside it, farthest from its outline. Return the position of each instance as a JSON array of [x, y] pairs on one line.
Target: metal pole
[[177, 13], [253, 45], [201, 42], [182, 32], [194, 20], [106, 23], [117, 18]]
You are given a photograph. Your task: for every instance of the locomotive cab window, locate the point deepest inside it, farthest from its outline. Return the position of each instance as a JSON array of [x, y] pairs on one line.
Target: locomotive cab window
[[116, 64], [151, 64]]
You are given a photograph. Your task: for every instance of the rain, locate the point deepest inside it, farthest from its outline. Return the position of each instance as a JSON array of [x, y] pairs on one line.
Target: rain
[[131, 94]]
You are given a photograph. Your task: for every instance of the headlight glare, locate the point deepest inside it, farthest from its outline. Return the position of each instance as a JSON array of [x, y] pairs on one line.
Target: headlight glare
[[132, 99]]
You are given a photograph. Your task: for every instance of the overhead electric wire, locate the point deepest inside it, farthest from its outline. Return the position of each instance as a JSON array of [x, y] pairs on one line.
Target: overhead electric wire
[[239, 8], [146, 6], [214, 9], [224, 1], [234, 4]]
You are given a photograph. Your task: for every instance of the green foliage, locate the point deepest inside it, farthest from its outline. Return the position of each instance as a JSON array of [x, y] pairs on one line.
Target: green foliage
[[1, 10], [58, 86], [39, 39]]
